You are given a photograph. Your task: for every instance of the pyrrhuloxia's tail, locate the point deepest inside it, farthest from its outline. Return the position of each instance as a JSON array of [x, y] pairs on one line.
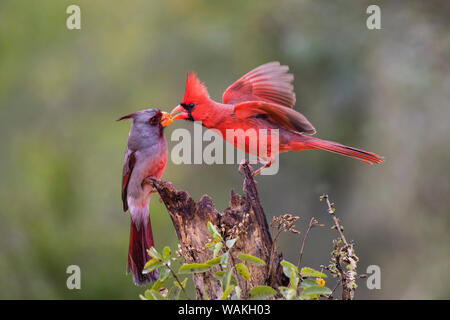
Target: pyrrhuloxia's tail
[[141, 239], [315, 143]]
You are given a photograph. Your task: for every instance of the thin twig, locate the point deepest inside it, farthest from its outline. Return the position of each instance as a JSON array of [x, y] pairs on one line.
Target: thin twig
[[233, 262], [335, 219], [283, 223], [312, 223], [177, 280], [330, 296]]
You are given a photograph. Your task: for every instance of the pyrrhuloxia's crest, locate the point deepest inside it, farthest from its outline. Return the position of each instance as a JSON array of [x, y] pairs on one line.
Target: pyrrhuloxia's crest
[[148, 114], [128, 116]]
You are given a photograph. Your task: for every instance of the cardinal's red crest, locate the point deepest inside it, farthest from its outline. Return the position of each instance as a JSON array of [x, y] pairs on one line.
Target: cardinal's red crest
[[195, 91]]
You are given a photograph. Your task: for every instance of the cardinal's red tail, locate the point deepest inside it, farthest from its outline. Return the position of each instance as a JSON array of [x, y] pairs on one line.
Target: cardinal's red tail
[[315, 143], [141, 239]]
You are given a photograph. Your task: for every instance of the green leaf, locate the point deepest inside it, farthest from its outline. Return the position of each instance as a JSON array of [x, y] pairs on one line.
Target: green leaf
[[211, 245], [308, 283], [287, 272], [316, 290], [287, 264], [219, 275], [164, 273], [230, 243], [251, 259], [226, 293], [291, 271], [159, 284], [217, 248], [194, 268], [243, 271], [310, 272], [214, 261], [211, 228], [166, 253], [182, 283], [293, 279], [233, 280], [227, 279], [288, 293], [174, 293], [148, 295], [154, 295], [154, 253], [213, 231], [224, 259], [152, 265], [262, 292]]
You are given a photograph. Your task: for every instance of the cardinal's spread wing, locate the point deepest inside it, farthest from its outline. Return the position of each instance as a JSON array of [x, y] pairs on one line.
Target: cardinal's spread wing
[[280, 115], [270, 82], [130, 160]]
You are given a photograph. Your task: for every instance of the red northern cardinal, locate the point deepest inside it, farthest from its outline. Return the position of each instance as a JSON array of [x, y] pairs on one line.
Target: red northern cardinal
[[145, 155], [261, 99]]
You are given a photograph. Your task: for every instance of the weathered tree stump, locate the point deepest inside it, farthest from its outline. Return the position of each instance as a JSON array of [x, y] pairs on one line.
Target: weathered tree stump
[[244, 218]]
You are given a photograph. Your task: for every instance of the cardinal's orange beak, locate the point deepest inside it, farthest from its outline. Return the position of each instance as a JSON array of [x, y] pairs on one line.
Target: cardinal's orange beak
[[179, 112], [166, 119]]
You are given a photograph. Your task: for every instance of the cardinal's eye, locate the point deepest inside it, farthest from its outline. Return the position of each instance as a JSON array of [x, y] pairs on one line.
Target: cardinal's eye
[[188, 106]]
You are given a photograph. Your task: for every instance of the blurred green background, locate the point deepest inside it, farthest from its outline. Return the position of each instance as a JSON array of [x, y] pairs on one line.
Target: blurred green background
[[61, 151]]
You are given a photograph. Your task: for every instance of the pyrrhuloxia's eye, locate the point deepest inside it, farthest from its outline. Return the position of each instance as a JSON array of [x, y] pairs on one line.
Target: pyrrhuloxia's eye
[[153, 121]]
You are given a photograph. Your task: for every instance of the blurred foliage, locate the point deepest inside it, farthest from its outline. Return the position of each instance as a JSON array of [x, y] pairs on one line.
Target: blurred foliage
[[61, 150], [304, 284]]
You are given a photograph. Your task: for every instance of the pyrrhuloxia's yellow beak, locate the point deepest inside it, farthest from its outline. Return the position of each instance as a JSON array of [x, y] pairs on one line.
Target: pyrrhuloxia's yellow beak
[[166, 119], [180, 113]]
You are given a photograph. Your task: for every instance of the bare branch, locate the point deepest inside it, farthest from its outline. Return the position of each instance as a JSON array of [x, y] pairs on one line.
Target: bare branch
[[343, 257], [312, 223]]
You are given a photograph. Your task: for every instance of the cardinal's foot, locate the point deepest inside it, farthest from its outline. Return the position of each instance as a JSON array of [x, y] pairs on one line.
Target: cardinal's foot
[[243, 163], [265, 166]]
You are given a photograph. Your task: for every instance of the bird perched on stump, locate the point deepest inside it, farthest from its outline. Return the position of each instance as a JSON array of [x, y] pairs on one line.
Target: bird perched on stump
[[145, 156], [261, 100]]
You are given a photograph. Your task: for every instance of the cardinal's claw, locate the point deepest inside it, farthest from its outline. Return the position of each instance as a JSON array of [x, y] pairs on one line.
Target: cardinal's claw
[[265, 166]]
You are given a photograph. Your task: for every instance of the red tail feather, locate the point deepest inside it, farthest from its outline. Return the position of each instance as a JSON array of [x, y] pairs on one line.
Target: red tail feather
[[141, 239], [362, 155]]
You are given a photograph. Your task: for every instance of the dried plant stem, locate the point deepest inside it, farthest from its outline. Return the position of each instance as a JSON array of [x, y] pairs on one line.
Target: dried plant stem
[[335, 219], [343, 255], [334, 289], [311, 223]]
